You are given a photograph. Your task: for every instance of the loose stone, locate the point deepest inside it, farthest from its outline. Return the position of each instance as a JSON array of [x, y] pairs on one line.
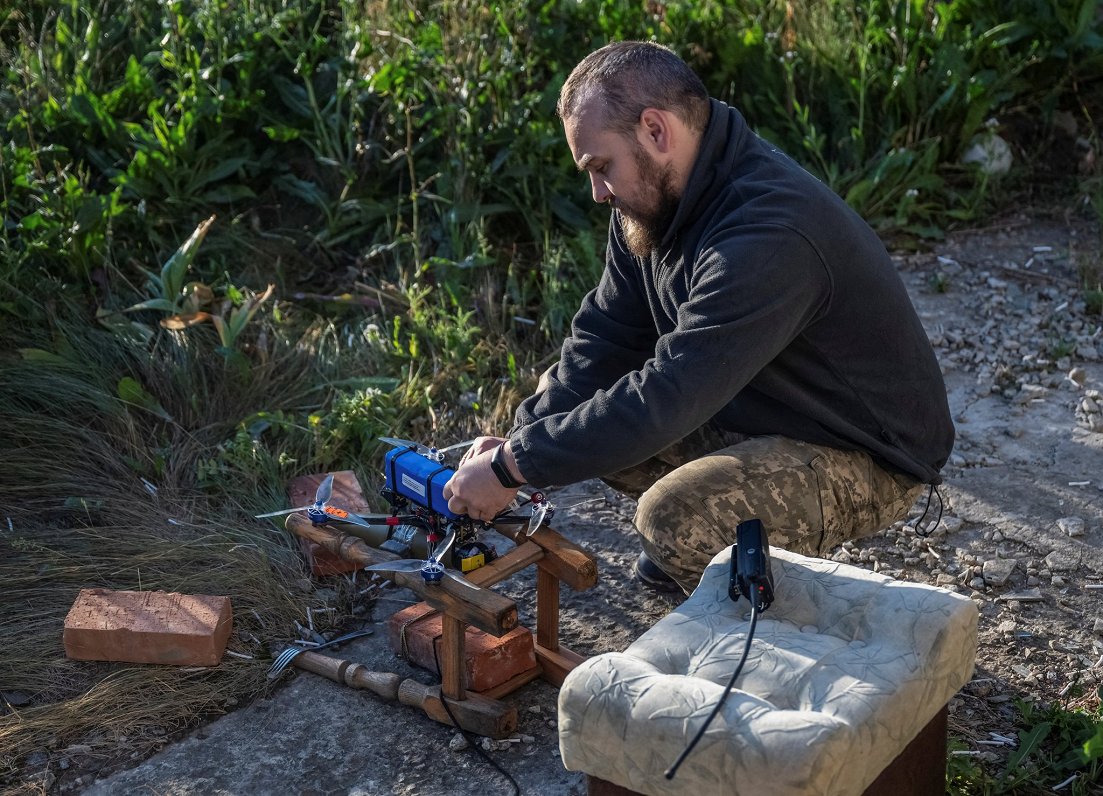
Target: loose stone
[[997, 571]]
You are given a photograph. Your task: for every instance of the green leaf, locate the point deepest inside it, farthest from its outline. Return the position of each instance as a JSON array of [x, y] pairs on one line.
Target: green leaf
[[82, 503], [224, 194], [281, 133], [569, 213], [223, 170], [306, 190], [294, 96], [39, 355], [1028, 743], [1093, 747], [133, 393], [174, 269], [152, 304]]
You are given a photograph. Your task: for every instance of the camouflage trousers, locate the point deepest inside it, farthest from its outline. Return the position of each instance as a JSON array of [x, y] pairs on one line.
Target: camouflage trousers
[[810, 498]]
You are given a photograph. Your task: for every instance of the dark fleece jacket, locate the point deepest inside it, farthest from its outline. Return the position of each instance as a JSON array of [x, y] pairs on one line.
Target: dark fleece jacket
[[770, 306]]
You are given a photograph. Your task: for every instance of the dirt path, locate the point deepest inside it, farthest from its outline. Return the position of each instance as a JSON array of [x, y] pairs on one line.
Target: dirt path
[[1023, 516]]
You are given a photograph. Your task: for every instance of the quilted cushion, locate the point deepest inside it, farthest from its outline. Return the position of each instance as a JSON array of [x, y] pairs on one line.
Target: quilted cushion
[[846, 667]]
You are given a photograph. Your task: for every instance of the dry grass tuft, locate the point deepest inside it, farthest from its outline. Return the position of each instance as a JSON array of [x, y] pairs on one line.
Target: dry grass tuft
[[98, 492]]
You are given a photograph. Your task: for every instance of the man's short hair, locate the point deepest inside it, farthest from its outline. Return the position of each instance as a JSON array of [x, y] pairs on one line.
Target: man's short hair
[[630, 76]]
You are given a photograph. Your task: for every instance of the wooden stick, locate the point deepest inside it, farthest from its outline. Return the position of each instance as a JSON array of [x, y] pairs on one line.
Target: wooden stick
[[512, 562], [475, 713], [547, 608], [557, 663], [452, 657], [342, 545], [570, 563]]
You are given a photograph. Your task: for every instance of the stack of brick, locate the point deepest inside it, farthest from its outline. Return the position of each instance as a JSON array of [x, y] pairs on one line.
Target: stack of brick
[[415, 633]]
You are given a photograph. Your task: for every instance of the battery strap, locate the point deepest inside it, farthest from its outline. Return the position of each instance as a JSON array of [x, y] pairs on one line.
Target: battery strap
[[394, 467], [429, 489]]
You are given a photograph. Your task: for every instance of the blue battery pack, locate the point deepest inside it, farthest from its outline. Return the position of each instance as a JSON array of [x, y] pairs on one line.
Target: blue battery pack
[[419, 479]]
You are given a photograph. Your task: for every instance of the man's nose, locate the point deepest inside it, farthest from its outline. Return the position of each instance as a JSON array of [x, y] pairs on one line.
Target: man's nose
[[601, 191]]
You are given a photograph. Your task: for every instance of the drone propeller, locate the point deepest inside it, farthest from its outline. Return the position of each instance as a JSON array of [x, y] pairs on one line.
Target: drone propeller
[[280, 512], [321, 504], [540, 508], [436, 454], [395, 442], [431, 569], [325, 490]]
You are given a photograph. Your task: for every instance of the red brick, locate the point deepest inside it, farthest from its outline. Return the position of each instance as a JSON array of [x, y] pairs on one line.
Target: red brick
[[490, 661], [348, 495], [148, 627]]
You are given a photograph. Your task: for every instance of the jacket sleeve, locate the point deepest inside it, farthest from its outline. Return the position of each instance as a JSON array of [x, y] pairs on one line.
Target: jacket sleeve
[[612, 334], [750, 294]]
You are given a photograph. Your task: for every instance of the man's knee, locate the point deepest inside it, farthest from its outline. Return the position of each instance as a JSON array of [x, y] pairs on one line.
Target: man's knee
[[691, 514]]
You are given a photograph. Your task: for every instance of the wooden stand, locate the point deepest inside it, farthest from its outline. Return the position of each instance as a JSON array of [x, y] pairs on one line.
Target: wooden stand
[[557, 560]]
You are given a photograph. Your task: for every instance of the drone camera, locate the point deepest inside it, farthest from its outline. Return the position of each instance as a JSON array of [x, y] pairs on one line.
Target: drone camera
[[751, 575]]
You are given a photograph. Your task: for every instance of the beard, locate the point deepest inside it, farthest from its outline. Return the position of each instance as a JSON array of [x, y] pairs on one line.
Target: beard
[[644, 227]]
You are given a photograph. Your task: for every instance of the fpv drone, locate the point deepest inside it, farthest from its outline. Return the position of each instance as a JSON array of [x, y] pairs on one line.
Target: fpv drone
[[420, 522]]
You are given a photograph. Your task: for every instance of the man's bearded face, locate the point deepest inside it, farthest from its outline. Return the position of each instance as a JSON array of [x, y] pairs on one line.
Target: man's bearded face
[[647, 216]]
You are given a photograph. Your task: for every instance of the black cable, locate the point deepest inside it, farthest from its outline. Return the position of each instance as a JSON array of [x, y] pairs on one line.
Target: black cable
[[670, 772], [481, 752], [932, 492]]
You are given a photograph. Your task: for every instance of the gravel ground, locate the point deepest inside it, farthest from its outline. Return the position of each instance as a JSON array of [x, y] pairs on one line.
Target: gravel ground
[[1020, 534]]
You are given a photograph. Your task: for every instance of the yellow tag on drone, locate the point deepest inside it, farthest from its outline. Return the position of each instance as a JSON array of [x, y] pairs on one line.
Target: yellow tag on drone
[[474, 562]]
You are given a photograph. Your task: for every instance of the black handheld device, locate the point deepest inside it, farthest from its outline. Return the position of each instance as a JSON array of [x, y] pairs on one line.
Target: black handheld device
[[752, 578], [751, 575]]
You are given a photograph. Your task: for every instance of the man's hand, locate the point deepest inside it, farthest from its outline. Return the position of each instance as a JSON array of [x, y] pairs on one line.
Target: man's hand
[[480, 445], [474, 489]]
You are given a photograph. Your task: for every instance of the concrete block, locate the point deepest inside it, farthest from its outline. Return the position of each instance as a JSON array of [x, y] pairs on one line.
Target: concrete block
[[148, 627], [348, 495], [490, 661]]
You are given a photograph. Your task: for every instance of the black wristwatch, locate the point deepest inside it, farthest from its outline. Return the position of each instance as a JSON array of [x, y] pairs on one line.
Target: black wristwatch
[[498, 465]]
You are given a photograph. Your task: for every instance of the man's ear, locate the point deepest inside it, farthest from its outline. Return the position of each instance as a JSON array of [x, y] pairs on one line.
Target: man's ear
[[656, 131]]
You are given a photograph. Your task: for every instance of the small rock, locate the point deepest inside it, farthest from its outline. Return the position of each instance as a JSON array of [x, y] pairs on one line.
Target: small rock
[[1060, 561], [976, 583], [459, 743], [980, 688], [527, 739], [952, 524], [1057, 581], [16, 699], [1097, 628], [997, 571], [1078, 375], [1073, 526], [37, 758], [1007, 627]]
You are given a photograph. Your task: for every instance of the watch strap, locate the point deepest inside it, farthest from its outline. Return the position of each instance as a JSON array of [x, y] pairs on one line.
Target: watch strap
[[498, 465]]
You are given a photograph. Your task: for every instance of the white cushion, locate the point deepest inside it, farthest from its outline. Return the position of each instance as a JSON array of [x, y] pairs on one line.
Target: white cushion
[[846, 667]]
